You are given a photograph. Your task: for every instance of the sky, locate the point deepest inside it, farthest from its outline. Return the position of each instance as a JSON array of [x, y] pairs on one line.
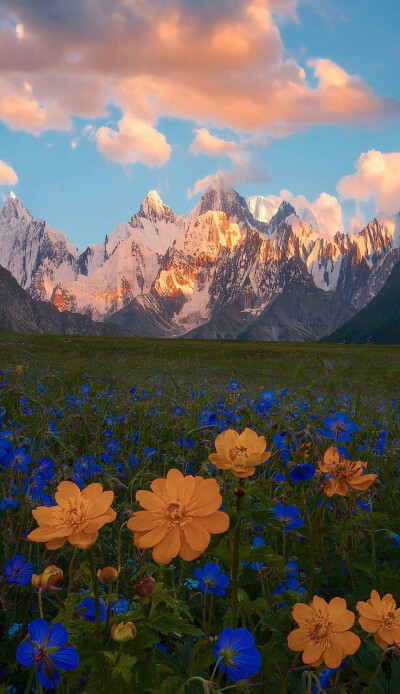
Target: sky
[[104, 100]]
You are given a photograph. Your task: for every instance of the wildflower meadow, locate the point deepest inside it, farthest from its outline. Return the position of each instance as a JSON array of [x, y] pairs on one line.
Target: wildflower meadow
[[200, 526]]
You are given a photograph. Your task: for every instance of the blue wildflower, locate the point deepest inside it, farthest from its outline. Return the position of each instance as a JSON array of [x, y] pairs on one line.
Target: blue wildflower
[[211, 580], [239, 658], [18, 570], [86, 607], [339, 428], [47, 648], [302, 473], [288, 515]]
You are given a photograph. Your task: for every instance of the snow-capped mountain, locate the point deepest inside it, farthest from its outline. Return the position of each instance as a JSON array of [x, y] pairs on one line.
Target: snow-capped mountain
[[163, 274]]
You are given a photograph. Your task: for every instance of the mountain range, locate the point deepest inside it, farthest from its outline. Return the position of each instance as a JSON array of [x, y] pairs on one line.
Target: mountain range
[[256, 269]]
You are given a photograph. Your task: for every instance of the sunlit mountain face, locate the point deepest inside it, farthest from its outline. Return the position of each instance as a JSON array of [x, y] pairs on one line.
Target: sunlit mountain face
[[168, 275]]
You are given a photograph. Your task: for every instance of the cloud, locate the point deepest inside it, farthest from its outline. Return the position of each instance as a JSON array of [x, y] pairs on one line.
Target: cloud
[[134, 141], [377, 176], [221, 64], [326, 210], [212, 146], [8, 177]]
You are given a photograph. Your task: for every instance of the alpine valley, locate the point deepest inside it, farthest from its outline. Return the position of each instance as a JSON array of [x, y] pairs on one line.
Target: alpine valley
[[231, 269]]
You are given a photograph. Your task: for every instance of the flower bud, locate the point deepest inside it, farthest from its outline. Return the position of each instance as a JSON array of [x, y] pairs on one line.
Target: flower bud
[[239, 492], [124, 631], [51, 577], [108, 575], [145, 587]]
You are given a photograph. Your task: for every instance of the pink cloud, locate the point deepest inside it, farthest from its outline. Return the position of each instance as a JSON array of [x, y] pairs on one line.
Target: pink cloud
[[212, 146], [134, 141], [326, 210], [221, 64], [8, 177], [377, 176]]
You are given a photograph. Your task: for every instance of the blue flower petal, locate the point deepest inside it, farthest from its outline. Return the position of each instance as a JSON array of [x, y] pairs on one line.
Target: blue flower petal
[[58, 636], [25, 653], [66, 658], [44, 680], [38, 630]]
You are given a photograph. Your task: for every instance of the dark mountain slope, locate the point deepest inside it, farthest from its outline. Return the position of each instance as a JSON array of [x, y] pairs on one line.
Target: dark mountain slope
[[19, 312], [379, 321]]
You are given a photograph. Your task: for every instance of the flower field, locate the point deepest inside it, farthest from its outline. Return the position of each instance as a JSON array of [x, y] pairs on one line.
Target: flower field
[[199, 525]]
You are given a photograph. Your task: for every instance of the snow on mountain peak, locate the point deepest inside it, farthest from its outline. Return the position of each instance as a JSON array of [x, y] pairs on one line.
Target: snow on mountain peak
[[12, 195]]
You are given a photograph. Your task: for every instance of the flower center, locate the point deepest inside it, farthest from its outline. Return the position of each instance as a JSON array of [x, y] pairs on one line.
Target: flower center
[[320, 632], [174, 513], [75, 511], [388, 620], [239, 451], [39, 655]]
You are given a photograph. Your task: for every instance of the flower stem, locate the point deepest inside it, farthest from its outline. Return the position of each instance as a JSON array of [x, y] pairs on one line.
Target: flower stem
[[376, 673], [40, 603], [71, 571], [95, 589], [235, 574], [313, 546]]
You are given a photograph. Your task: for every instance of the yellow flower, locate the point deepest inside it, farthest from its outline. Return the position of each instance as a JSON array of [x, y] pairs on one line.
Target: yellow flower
[[52, 576], [380, 617], [344, 473], [181, 514], [323, 633], [239, 453], [76, 518], [124, 631], [108, 575]]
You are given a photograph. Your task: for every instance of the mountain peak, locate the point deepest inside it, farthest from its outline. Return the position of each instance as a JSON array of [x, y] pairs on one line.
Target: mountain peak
[[152, 206], [13, 207]]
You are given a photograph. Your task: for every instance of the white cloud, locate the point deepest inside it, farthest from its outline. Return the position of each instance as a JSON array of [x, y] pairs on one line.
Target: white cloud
[[8, 177], [377, 176], [134, 141]]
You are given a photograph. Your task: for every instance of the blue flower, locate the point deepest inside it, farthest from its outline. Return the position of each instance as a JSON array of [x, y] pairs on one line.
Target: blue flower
[[239, 658], [47, 648], [14, 629], [234, 385], [395, 538], [211, 580], [120, 606], [288, 515], [18, 570], [86, 606], [302, 473], [339, 428]]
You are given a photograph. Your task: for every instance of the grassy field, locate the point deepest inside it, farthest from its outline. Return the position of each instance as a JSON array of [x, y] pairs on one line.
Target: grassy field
[[373, 371], [138, 418]]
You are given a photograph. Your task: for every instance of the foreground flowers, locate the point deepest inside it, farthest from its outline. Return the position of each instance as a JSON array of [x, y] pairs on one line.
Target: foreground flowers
[[77, 517], [47, 648], [239, 658], [239, 453], [324, 634], [380, 617], [344, 473], [181, 514]]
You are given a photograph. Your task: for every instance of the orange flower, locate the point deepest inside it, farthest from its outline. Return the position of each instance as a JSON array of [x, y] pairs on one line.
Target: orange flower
[[239, 453], [76, 518], [380, 617], [181, 513], [51, 577], [324, 634], [344, 473]]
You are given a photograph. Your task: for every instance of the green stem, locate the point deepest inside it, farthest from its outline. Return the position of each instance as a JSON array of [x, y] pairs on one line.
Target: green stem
[[71, 570], [117, 659], [40, 603], [95, 588], [235, 575], [376, 673], [313, 546]]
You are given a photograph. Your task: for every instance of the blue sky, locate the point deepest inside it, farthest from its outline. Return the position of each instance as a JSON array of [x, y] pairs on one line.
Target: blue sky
[[86, 192]]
